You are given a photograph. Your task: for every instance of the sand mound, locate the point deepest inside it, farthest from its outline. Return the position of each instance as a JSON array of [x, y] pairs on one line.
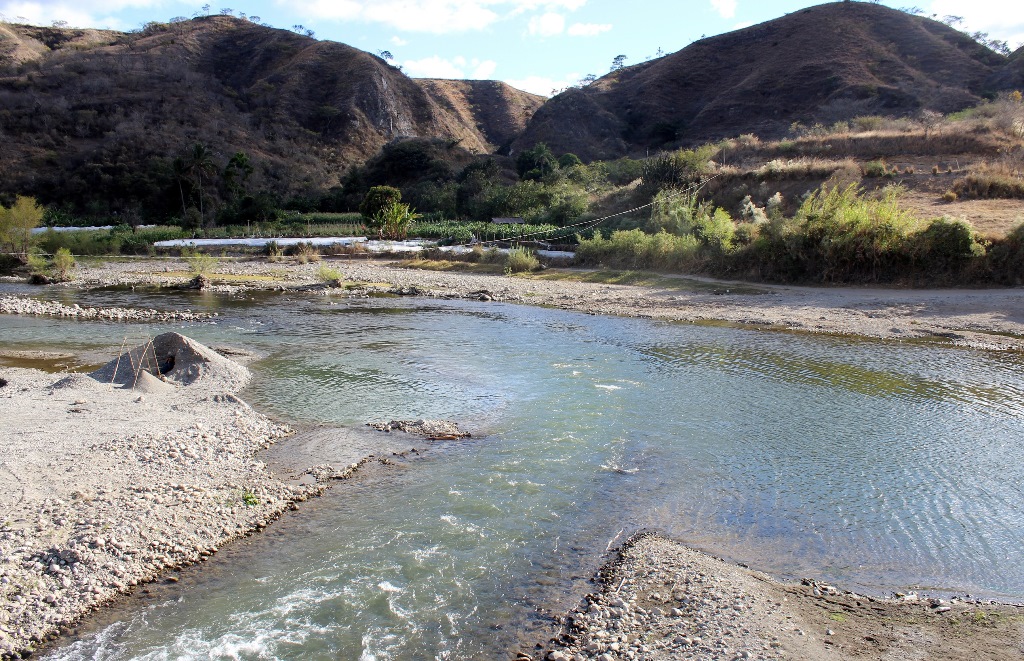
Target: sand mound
[[174, 358], [76, 382]]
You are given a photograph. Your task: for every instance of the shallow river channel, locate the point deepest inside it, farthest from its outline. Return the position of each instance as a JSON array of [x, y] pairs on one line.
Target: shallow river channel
[[878, 466]]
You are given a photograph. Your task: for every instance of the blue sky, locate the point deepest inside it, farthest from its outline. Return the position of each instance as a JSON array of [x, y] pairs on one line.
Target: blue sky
[[536, 45]]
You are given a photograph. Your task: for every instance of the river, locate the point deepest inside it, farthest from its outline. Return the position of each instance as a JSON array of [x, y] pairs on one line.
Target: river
[[879, 466]]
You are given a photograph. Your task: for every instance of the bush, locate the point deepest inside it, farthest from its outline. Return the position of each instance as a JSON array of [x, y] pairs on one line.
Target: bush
[[635, 249], [17, 223], [305, 252], [377, 199], [328, 275], [393, 221], [676, 169], [946, 245], [200, 263], [63, 264], [521, 260], [272, 251], [990, 183], [876, 169]]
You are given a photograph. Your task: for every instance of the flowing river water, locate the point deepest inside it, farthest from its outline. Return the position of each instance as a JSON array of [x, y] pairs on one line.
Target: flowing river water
[[879, 466]]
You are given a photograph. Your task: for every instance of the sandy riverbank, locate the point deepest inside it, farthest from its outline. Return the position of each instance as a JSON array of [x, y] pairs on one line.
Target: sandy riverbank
[[124, 534], [661, 600], [989, 318], [105, 486], [110, 480]]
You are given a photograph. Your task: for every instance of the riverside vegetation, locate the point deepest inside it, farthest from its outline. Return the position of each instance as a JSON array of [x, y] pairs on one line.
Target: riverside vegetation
[[835, 204]]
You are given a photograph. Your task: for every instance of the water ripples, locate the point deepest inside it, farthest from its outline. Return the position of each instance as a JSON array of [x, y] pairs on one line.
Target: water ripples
[[879, 466]]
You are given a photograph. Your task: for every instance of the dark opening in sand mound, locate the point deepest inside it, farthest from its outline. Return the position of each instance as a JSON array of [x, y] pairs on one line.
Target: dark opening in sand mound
[[170, 359]]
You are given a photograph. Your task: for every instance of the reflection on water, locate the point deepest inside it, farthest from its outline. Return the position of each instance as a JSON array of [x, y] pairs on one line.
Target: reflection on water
[[876, 465]]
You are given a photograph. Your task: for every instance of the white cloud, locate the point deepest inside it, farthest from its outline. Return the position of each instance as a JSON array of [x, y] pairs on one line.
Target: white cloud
[[542, 85], [547, 25], [1001, 19], [588, 29], [457, 67], [484, 70], [84, 13], [435, 16], [398, 41], [725, 8]]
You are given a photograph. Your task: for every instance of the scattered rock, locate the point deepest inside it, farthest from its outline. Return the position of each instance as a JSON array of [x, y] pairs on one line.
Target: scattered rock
[[435, 430]]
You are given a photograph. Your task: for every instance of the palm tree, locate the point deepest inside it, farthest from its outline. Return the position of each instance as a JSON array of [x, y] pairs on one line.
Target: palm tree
[[180, 171], [201, 162]]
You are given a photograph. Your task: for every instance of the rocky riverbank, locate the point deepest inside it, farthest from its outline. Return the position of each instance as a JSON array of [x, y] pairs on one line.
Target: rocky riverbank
[[990, 318], [660, 600], [108, 482], [30, 306]]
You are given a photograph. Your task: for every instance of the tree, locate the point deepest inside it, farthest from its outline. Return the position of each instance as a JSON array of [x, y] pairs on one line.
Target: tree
[[201, 163], [377, 199], [385, 55], [17, 223], [536, 162], [566, 161], [618, 62], [180, 171], [237, 172]]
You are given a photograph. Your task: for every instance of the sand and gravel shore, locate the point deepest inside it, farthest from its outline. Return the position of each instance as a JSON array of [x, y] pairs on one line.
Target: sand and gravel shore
[[983, 318], [660, 600], [105, 487]]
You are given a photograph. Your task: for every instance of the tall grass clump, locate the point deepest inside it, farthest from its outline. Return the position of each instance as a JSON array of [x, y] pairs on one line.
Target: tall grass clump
[[636, 249], [521, 260], [991, 182], [305, 252], [850, 236]]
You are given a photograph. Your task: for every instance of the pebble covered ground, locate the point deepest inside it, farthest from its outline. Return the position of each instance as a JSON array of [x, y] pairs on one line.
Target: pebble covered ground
[[984, 318], [662, 600], [105, 487], [102, 488], [33, 307]]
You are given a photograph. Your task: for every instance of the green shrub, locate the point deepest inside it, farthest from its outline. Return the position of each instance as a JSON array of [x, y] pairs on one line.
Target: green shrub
[[876, 169], [676, 169], [377, 199], [393, 221], [37, 264], [328, 275], [273, 251], [200, 263], [521, 260], [63, 264], [946, 245], [17, 223], [636, 249]]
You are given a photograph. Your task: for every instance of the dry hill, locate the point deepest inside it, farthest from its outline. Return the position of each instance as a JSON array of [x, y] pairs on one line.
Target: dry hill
[[825, 63], [96, 116]]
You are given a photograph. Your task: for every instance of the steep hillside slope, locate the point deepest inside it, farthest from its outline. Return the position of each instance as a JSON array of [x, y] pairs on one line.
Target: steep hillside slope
[[1010, 76], [499, 111], [100, 116], [825, 63]]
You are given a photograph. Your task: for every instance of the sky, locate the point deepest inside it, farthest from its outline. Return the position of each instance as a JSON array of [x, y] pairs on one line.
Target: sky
[[536, 45]]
